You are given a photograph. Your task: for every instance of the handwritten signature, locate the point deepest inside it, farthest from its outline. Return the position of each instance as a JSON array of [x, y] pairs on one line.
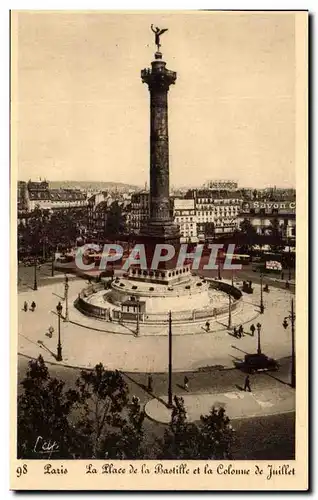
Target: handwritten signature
[[44, 446]]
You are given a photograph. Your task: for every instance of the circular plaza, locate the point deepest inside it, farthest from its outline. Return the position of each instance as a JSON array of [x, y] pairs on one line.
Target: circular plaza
[[87, 341], [149, 299]]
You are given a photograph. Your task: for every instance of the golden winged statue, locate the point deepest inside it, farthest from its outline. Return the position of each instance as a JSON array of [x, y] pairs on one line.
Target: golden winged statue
[[158, 32]]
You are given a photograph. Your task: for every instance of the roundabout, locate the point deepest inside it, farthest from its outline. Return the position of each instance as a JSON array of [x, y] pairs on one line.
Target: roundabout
[[191, 301], [87, 341]]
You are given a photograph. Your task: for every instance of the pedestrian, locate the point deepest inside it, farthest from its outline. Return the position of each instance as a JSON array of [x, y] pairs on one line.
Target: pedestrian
[[135, 400], [150, 383], [50, 332], [235, 332], [282, 276], [207, 326], [241, 331], [247, 384], [252, 328], [33, 306], [25, 306], [186, 383]]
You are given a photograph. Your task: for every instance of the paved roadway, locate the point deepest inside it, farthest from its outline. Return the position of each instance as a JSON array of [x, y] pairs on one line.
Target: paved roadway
[[26, 276], [261, 438]]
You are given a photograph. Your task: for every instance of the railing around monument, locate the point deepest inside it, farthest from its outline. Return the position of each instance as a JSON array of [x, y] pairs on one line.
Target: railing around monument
[[106, 314]]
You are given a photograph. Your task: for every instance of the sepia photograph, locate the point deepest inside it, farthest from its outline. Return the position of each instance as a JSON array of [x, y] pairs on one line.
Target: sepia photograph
[[158, 161]]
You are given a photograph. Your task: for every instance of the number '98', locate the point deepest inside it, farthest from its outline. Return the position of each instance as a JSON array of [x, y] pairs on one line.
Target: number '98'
[[22, 470]]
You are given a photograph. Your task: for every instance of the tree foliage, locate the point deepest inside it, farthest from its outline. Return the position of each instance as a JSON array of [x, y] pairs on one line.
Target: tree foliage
[[103, 396], [43, 411], [97, 420], [216, 435], [210, 439], [181, 439], [43, 232], [115, 221]]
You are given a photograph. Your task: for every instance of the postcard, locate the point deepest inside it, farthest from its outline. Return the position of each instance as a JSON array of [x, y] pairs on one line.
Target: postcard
[[159, 164]]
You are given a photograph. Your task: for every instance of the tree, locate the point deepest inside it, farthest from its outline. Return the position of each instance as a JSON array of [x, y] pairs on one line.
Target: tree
[[181, 440], [276, 236], [43, 412], [216, 435], [102, 395], [249, 232], [128, 442], [115, 221], [211, 439], [247, 228], [63, 229], [95, 420], [32, 236]]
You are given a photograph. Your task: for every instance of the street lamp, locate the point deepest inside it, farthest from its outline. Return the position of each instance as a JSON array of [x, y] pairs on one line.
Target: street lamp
[[262, 303], [59, 308], [53, 262], [259, 350], [170, 362], [292, 318], [219, 271], [138, 320], [230, 312], [66, 287], [289, 266], [35, 286]]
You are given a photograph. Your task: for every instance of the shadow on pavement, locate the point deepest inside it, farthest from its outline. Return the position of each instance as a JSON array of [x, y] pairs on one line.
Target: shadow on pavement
[[239, 387], [235, 358], [181, 387], [142, 386], [43, 346], [278, 379], [127, 328], [234, 347]]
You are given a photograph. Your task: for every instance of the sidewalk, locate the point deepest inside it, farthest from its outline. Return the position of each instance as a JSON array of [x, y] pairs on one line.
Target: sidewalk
[[238, 404], [87, 342]]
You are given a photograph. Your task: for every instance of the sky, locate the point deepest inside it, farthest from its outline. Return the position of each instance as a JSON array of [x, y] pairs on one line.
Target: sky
[[82, 112]]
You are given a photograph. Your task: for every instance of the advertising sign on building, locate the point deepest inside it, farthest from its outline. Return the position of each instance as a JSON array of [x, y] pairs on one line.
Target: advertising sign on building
[[273, 265], [268, 206]]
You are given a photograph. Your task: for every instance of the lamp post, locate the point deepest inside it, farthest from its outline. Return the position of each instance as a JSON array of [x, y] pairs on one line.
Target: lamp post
[[137, 325], [170, 363], [289, 266], [232, 278], [292, 318], [35, 286], [66, 287], [259, 350], [262, 303], [219, 271], [230, 312], [53, 261], [59, 308]]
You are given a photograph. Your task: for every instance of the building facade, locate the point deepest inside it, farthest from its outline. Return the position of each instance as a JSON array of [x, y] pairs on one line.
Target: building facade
[[216, 212], [185, 216], [139, 211], [261, 215], [39, 195]]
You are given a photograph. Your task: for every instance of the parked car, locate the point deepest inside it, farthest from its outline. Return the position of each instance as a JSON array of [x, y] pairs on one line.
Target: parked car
[[257, 363]]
